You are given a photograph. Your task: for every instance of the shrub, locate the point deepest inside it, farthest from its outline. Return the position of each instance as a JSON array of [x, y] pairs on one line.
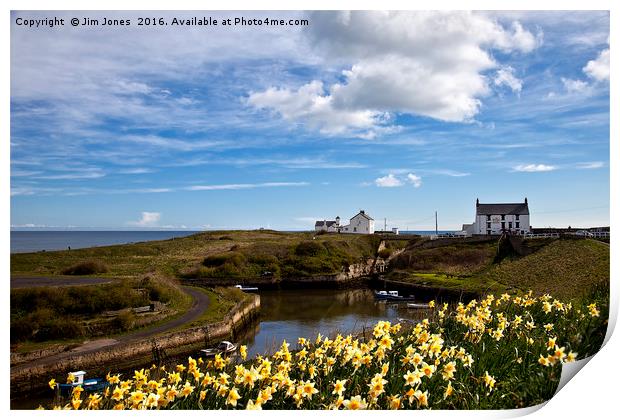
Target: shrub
[[157, 291], [309, 249], [125, 321], [235, 258], [385, 253], [58, 328], [85, 268]]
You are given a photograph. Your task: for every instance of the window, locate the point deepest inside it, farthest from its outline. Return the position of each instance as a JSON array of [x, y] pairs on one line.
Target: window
[[509, 225], [503, 217], [488, 231], [503, 225], [355, 229], [517, 218], [517, 224], [488, 217]]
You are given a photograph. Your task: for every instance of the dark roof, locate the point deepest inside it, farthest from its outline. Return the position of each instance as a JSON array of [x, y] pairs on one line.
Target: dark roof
[[363, 213], [329, 223], [503, 208]]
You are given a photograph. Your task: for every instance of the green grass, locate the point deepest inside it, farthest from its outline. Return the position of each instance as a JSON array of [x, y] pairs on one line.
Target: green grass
[[474, 284], [565, 268]]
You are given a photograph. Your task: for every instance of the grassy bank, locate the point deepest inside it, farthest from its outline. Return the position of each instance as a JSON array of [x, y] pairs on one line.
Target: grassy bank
[[207, 255], [500, 352], [564, 268], [221, 301]]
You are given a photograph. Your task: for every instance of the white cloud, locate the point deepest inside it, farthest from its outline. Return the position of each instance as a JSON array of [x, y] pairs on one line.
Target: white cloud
[[312, 107], [590, 165], [450, 172], [388, 181], [598, 69], [505, 76], [148, 219], [391, 180], [415, 180], [422, 63], [532, 167], [135, 171], [245, 186], [574, 85]]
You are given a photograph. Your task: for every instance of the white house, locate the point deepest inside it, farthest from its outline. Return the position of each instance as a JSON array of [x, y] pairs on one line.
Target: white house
[[327, 225], [493, 219], [360, 223]]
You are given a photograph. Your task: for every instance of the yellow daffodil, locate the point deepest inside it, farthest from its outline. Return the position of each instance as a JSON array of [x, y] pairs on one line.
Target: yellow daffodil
[[355, 403], [232, 398], [339, 386], [489, 380]]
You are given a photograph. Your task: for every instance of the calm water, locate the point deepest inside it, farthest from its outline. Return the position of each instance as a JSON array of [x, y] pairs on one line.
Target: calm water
[[289, 314], [32, 241]]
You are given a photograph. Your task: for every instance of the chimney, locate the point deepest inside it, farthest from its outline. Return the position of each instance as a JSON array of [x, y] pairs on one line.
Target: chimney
[[362, 211], [478, 202], [525, 200]]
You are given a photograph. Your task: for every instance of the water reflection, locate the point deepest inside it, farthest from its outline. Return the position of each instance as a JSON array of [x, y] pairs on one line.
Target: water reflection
[[289, 314]]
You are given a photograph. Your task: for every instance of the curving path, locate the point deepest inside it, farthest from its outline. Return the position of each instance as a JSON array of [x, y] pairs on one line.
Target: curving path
[[199, 305]]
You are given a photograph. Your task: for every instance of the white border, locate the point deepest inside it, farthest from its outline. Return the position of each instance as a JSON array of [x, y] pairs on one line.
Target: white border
[[591, 394]]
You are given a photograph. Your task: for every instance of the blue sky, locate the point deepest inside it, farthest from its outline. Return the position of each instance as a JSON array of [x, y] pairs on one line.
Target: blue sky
[[400, 114]]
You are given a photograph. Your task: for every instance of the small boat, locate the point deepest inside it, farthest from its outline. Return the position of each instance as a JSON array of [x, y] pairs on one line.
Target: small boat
[[225, 347], [246, 288], [392, 296], [418, 306], [89, 385]]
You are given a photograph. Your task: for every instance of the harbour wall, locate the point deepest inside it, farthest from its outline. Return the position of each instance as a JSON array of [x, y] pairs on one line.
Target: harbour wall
[[33, 377]]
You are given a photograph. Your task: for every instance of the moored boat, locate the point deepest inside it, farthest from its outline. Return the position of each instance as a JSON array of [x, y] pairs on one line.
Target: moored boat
[[225, 347], [89, 385], [392, 296], [246, 288]]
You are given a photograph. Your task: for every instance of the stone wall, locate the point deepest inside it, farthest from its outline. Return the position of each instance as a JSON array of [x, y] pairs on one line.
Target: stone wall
[[34, 376]]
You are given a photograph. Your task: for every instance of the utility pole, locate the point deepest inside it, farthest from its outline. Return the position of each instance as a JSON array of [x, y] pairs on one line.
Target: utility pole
[[436, 231], [385, 224]]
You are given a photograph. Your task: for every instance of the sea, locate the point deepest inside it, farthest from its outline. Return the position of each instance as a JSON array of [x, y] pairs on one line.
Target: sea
[[34, 241], [45, 240]]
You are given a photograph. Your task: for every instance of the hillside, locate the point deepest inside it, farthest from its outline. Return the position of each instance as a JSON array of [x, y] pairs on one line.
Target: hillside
[[208, 254], [564, 268]]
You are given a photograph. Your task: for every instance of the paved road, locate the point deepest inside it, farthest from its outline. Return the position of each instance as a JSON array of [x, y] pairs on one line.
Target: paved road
[[19, 282], [199, 305]]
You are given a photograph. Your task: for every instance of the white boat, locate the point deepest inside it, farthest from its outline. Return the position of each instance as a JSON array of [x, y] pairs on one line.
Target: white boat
[[246, 288], [391, 296], [225, 347], [418, 306]]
